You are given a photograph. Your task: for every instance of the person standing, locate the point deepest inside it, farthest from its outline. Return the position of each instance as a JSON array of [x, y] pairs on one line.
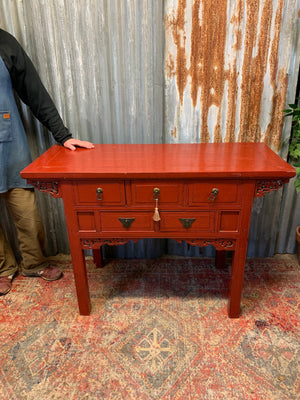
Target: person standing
[[18, 75]]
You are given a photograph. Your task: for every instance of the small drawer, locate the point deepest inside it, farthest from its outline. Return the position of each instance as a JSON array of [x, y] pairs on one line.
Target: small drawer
[[213, 193], [187, 222], [145, 193], [229, 221], [100, 193], [127, 222], [86, 221]]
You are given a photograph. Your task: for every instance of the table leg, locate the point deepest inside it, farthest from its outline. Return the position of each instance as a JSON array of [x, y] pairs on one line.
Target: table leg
[[81, 281], [236, 280], [97, 256], [220, 259]]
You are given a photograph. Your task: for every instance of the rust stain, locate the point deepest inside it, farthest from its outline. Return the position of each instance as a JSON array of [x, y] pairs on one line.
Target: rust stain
[[207, 64], [170, 66], [234, 73], [174, 132], [252, 10], [196, 66], [259, 65], [208, 39], [274, 131], [207, 60], [279, 84], [275, 44], [236, 19], [177, 24]]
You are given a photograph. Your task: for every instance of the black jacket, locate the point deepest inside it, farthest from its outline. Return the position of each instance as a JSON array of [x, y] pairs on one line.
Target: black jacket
[[27, 84]]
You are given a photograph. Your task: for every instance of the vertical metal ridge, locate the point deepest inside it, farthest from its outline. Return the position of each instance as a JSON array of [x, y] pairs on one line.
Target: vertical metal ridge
[[148, 71]]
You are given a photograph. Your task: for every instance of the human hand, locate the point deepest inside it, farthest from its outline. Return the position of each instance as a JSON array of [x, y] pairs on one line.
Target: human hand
[[71, 144]]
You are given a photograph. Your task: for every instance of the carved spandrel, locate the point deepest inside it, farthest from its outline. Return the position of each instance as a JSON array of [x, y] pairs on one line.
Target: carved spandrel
[[49, 187], [264, 187], [219, 244], [97, 243]]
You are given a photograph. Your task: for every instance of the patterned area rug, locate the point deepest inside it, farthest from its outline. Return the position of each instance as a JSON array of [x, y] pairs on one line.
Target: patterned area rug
[[158, 330]]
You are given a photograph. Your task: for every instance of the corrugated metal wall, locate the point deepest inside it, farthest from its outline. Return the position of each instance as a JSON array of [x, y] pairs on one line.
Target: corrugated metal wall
[[151, 71], [230, 69], [227, 65]]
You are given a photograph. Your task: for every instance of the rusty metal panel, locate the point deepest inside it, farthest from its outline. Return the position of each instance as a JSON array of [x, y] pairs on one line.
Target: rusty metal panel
[[151, 71], [227, 69], [230, 69], [289, 220]]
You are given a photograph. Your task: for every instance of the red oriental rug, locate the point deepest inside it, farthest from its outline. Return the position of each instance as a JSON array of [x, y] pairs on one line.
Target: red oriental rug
[[158, 331]]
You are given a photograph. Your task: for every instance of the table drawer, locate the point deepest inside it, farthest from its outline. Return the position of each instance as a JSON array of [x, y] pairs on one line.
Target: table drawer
[[213, 193], [126, 222], [86, 221], [100, 193], [229, 221], [187, 222], [145, 193]]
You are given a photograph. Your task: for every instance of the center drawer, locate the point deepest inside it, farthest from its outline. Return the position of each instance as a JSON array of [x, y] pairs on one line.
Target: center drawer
[[167, 193]]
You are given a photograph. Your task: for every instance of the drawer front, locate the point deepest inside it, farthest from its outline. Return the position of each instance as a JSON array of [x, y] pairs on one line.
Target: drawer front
[[229, 221], [86, 221], [100, 193], [145, 193], [213, 193], [126, 222], [187, 222]]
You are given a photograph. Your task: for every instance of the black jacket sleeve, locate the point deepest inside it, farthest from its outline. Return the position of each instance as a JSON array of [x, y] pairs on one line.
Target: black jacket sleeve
[[28, 86]]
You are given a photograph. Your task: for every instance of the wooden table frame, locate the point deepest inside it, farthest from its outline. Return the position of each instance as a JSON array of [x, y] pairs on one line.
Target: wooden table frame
[[203, 193]]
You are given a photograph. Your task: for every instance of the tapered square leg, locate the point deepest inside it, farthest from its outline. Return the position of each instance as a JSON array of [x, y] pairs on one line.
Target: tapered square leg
[[97, 256], [81, 280], [220, 259], [236, 280]]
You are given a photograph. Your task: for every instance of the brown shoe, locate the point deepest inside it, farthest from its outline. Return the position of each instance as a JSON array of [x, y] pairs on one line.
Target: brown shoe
[[50, 273], [6, 283]]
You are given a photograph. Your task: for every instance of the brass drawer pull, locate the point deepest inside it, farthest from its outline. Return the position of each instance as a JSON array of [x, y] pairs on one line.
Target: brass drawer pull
[[187, 222], [126, 222], [156, 216], [99, 194], [156, 192], [214, 193]]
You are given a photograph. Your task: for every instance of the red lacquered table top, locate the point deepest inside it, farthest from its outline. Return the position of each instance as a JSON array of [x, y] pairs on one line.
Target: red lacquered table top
[[224, 160]]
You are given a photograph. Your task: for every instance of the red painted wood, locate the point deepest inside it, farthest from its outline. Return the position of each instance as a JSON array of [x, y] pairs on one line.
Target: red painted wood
[[224, 160], [239, 255], [220, 259], [170, 193], [201, 193], [97, 256], [170, 221], [77, 254], [140, 222], [111, 193], [186, 175]]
